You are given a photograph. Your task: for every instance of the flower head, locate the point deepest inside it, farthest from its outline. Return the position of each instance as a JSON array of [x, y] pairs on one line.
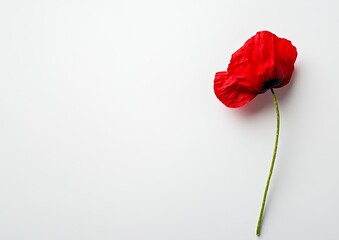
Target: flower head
[[265, 61]]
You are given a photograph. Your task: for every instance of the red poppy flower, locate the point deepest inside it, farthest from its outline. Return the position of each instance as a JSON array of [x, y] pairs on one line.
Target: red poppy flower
[[264, 62]]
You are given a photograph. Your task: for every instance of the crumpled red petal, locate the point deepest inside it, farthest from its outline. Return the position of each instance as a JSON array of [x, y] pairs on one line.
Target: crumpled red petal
[[230, 92], [265, 61]]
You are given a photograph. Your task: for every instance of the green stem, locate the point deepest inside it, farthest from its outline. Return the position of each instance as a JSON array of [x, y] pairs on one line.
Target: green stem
[[272, 163]]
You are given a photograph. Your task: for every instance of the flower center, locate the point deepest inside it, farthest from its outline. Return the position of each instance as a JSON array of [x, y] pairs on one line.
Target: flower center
[[272, 83]]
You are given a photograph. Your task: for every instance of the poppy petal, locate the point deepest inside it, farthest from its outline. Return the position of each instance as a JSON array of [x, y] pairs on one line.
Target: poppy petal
[[230, 92], [262, 58]]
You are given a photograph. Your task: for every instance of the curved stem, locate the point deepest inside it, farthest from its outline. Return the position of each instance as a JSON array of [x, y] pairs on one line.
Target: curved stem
[[272, 163]]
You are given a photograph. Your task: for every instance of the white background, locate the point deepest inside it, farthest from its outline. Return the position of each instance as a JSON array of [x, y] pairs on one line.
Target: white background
[[110, 129]]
